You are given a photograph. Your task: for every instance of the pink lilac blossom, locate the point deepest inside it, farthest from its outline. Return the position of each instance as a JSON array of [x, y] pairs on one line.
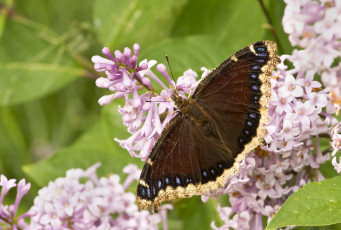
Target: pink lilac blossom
[[336, 144], [266, 177], [314, 26], [8, 214], [81, 200], [143, 106], [299, 110]]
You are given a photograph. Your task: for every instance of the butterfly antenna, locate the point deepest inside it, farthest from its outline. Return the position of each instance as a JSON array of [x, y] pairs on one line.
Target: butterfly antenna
[[176, 89]]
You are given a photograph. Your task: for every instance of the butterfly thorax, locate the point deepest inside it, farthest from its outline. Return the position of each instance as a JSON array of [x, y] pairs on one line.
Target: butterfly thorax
[[191, 110]]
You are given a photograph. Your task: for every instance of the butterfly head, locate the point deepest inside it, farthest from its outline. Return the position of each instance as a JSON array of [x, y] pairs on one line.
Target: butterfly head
[[179, 101]]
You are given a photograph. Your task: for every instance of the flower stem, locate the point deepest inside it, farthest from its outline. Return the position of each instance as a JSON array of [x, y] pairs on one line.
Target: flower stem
[[271, 26]]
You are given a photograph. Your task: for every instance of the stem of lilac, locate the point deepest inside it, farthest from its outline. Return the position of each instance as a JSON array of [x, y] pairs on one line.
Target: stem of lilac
[[29, 213], [10, 224], [325, 114], [272, 28], [3, 220]]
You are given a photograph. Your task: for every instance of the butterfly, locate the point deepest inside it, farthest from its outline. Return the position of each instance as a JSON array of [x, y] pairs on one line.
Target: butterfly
[[213, 130]]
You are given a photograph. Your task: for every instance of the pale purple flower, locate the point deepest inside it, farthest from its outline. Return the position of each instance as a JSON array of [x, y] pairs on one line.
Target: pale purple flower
[[314, 26], [186, 82], [288, 132], [308, 82], [295, 117], [336, 143], [8, 214], [142, 111], [81, 200], [300, 109], [337, 165], [290, 88], [282, 104]]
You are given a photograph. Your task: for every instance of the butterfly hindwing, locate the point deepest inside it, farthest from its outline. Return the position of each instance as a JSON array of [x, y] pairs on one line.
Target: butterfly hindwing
[[182, 165]]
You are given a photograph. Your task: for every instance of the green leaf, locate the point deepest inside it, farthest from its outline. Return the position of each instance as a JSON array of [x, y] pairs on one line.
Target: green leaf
[[120, 23], [96, 145], [33, 63], [200, 217], [276, 11], [191, 52], [233, 23], [58, 15], [21, 82], [316, 204], [13, 144]]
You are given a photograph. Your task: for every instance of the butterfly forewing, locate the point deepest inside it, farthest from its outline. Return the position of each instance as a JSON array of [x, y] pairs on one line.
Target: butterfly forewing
[[235, 93], [192, 159]]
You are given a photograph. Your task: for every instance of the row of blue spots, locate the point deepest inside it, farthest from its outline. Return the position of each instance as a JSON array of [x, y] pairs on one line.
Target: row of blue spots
[[151, 193], [249, 129]]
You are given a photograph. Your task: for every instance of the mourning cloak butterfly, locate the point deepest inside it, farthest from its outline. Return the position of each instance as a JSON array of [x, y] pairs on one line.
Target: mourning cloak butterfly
[[201, 147]]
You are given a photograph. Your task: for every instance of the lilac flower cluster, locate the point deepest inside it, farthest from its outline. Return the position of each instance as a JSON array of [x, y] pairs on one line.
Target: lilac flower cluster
[[81, 200], [8, 217], [315, 27], [336, 144], [300, 110], [143, 107]]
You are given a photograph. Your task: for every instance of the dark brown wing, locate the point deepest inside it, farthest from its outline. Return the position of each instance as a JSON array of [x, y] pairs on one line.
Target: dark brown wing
[[236, 96], [183, 162]]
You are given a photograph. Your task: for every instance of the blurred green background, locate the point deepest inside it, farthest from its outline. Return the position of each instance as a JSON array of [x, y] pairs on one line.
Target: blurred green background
[[50, 120]]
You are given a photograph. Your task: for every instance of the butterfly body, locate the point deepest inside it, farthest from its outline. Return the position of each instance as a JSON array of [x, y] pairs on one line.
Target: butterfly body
[[212, 131], [191, 110]]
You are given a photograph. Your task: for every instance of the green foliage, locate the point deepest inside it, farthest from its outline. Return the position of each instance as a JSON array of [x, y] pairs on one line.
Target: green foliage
[[316, 204], [49, 117]]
